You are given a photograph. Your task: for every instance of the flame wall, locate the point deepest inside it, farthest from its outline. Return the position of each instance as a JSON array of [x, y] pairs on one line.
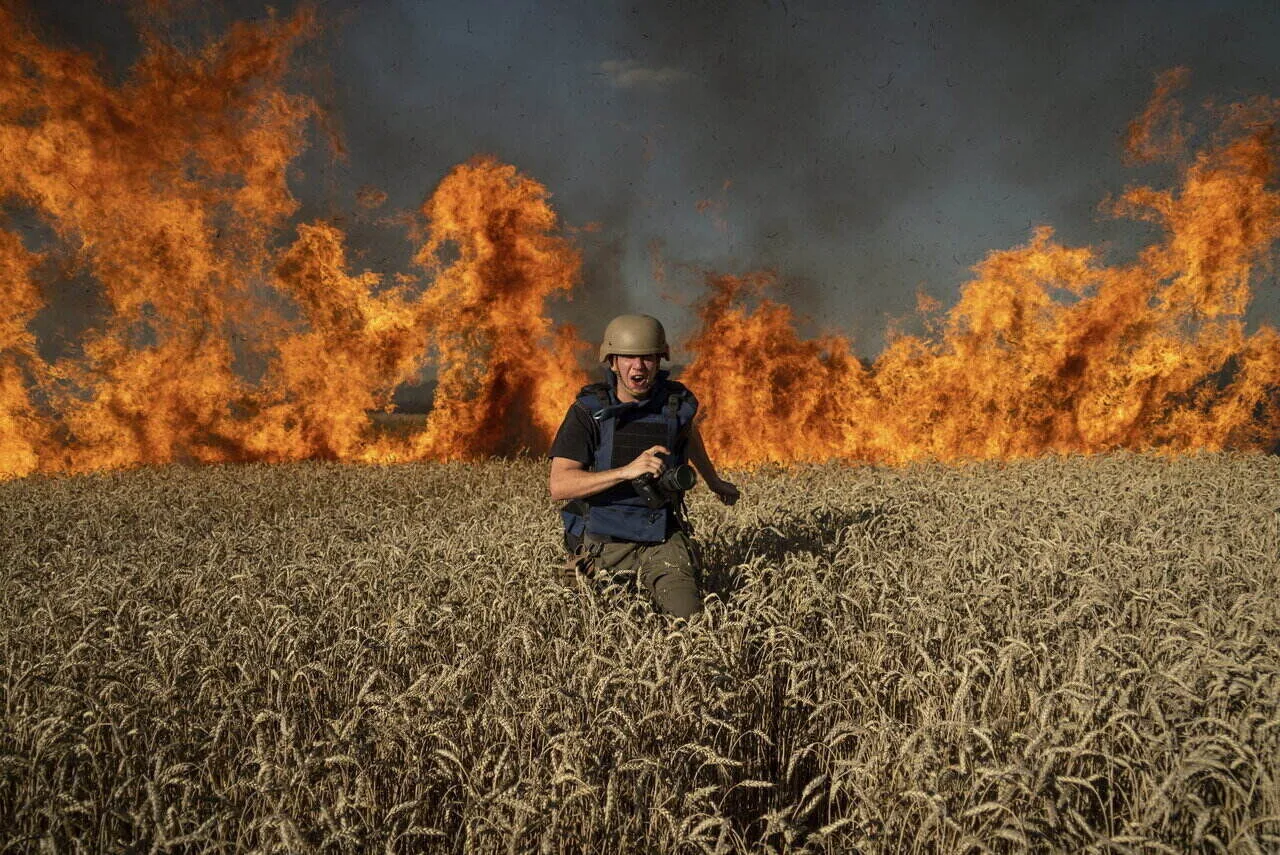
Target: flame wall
[[1048, 349], [228, 333], [219, 344]]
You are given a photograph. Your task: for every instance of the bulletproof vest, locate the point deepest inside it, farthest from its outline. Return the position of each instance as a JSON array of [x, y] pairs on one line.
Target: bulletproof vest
[[626, 430]]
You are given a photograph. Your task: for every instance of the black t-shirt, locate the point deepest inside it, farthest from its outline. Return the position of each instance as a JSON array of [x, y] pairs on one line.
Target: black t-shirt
[[577, 438]]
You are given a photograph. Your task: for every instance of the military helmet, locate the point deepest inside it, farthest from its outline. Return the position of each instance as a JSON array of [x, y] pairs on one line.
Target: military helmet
[[634, 335]]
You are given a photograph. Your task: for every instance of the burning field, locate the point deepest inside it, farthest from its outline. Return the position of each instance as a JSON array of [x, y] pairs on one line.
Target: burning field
[[1041, 614], [221, 330]]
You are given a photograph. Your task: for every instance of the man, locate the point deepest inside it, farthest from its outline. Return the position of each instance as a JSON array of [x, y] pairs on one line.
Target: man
[[633, 428]]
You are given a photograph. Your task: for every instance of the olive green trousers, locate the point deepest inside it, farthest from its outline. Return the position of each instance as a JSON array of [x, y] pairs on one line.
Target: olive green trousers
[[667, 571]]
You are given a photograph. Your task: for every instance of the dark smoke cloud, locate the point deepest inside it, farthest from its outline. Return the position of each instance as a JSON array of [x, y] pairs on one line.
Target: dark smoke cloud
[[864, 151], [886, 147]]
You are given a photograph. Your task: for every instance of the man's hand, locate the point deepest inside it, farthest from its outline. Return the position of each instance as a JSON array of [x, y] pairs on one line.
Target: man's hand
[[648, 463], [570, 479], [726, 492]]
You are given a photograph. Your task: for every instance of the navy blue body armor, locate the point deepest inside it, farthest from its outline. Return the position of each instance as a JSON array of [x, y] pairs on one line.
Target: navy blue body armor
[[626, 430]]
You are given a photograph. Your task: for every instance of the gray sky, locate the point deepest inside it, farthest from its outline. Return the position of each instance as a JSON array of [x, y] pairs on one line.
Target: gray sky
[[864, 151]]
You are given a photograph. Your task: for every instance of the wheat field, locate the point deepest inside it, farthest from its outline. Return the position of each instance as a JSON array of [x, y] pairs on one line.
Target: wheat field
[[1076, 654]]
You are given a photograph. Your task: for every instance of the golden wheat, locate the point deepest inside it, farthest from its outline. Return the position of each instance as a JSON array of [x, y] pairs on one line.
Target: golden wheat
[[1061, 654]]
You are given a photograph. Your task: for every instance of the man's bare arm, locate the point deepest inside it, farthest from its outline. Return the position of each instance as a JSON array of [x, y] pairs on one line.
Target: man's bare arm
[[572, 480], [724, 490]]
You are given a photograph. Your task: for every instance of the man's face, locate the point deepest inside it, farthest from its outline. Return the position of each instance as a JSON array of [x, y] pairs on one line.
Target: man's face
[[637, 374]]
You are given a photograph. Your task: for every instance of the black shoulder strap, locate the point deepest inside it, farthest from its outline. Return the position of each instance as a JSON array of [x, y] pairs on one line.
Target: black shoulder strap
[[593, 397]]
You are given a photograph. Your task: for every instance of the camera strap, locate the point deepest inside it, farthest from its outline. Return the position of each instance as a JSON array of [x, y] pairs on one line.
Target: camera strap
[[672, 414], [683, 521]]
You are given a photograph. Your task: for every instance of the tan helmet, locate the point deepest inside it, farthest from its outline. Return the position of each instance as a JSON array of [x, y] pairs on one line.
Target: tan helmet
[[634, 335]]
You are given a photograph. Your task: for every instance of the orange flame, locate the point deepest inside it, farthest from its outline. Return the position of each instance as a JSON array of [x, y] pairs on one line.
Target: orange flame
[[1048, 350], [21, 432], [169, 192], [489, 302]]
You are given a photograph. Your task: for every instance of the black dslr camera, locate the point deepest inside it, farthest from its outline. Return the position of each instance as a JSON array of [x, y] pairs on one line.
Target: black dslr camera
[[667, 487]]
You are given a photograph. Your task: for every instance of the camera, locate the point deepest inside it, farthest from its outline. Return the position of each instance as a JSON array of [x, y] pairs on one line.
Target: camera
[[667, 487]]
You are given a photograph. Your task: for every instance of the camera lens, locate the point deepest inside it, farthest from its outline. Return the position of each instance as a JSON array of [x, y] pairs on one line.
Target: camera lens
[[680, 478]]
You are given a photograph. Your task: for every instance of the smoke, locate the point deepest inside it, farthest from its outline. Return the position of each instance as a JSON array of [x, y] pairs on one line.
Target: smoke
[[873, 150], [878, 149], [221, 328], [238, 197]]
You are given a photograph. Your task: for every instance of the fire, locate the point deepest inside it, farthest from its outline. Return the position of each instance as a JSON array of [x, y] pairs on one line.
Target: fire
[[21, 432], [222, 331], [489, 303], [1048, 349], [169, 193]]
